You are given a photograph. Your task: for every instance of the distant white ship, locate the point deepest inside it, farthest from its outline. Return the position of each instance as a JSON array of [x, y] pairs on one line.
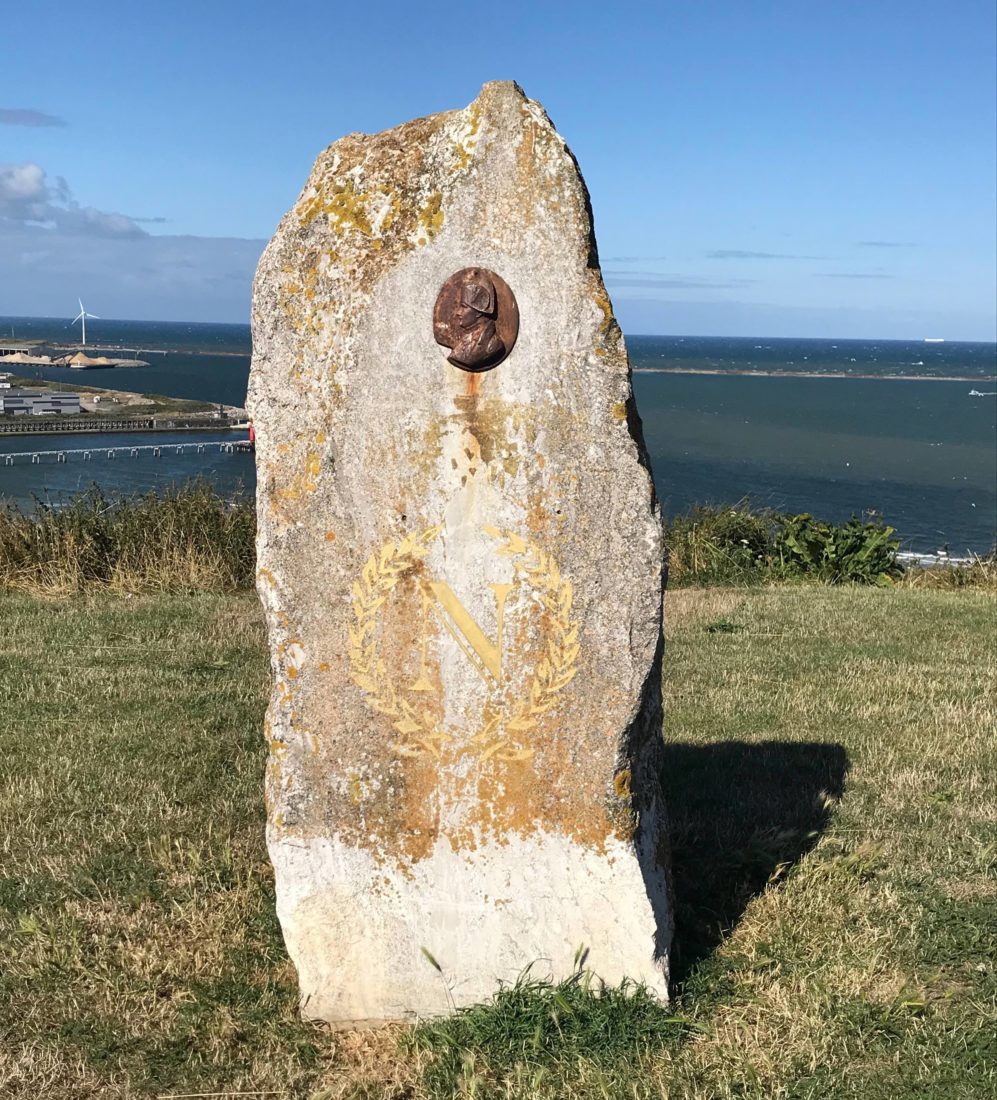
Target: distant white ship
[[934, 339]]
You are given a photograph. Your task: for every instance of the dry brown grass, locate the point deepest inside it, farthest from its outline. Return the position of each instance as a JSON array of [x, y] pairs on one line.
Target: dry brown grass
[[980, 572], [185, 539]]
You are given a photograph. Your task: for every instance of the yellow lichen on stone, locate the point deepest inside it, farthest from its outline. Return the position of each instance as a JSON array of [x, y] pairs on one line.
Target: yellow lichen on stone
[[601, 299], [465, 145], [621, 783], [608, 327], [305, 482], [344, 207], [295, 298], [387, 218], [620, 410], [430, 220]]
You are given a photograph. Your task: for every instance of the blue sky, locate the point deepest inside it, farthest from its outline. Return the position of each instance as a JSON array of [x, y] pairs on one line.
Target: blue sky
[[767, 168]]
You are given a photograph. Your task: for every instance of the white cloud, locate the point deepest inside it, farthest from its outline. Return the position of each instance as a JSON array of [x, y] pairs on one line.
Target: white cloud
[[743, 254], [27, 116], [21, 184], [44, 270], [52, 249], [27, 198]]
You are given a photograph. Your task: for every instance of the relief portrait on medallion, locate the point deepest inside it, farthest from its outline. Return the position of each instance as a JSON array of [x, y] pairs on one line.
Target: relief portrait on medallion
[[477, 317]]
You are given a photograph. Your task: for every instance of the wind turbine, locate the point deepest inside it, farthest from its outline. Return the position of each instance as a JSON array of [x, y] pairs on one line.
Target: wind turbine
[[82, 316]]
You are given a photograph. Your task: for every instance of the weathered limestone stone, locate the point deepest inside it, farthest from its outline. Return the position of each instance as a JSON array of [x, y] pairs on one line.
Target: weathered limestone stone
[[462, 576]]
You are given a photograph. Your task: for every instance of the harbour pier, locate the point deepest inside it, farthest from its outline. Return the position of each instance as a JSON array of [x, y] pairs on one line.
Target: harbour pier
[[149, 450]]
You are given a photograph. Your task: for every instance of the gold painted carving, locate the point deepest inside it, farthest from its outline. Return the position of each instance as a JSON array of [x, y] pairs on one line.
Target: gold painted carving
[[505, 723], [381, 572]]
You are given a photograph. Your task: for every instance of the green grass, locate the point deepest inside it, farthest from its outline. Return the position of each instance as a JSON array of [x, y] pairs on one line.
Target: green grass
[[831, 771]]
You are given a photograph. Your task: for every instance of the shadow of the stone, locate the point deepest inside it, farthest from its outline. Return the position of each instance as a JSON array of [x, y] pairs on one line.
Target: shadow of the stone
[[740, 815]]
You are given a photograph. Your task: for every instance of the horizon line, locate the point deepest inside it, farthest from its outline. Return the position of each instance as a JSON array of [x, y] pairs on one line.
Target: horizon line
[[6, 318]]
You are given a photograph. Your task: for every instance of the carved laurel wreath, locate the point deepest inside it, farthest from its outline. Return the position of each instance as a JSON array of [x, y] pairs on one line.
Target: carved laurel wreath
[[502, 726]]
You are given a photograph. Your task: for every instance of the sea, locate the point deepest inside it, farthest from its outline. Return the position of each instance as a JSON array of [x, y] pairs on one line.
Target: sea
[[903, 431]]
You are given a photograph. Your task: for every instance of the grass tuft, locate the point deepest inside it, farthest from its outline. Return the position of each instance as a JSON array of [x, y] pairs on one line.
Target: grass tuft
[[535, 1027], [978, 572]]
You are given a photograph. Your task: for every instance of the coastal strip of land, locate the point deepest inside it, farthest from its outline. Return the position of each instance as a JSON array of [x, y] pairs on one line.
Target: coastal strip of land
[[722, 371], [108, 410]]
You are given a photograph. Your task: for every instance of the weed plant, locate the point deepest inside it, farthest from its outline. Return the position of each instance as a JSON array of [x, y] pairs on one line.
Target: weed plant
[[978, 572]]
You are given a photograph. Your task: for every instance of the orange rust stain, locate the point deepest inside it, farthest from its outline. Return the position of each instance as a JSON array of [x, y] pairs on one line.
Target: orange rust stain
[[330, 536]]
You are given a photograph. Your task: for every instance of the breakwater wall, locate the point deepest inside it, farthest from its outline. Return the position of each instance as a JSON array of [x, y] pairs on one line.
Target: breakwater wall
[[91, 425]]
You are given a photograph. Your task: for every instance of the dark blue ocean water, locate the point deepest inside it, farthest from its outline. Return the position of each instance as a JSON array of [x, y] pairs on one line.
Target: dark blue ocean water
[[922, 454]]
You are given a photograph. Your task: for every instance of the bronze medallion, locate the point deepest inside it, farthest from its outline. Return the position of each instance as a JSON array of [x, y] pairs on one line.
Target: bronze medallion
[[476, 316]]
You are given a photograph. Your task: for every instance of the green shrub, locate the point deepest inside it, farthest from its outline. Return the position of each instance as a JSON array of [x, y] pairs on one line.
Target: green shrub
[[741, 545], [856, 550]]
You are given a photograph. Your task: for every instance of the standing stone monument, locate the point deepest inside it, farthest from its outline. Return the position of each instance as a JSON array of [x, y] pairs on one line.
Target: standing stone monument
[[460, 558]]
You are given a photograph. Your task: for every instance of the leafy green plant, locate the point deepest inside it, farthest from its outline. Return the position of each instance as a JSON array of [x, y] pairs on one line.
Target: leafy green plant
[[742, 545], [856, 550]]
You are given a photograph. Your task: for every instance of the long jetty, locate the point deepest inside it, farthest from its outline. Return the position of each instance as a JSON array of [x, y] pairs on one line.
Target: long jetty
[[149, 450]]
